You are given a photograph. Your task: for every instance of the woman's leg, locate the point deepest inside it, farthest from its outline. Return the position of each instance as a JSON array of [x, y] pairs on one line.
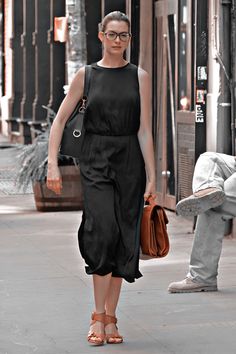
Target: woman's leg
[[106, 297], [101, 285], [111, 305], [113, 296]]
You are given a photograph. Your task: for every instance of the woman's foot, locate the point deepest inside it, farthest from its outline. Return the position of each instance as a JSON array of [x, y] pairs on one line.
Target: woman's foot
[[96, 335], [111, 330]]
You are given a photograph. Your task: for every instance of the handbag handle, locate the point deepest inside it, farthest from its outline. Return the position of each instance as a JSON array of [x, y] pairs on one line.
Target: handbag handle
[[88, 70], [150, 200], [82, 107]]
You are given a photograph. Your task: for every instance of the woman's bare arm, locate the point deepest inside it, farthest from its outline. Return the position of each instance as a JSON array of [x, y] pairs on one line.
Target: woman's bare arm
[[145, 132], [67, 106]]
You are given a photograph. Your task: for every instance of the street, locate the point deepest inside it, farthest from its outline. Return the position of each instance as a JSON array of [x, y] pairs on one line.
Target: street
[[46, 297]]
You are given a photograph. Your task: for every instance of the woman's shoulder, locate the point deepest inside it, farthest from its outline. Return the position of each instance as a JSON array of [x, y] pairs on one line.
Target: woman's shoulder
[[78, 80], [79, 73], [143, 75], [132, 66], [142, 72]]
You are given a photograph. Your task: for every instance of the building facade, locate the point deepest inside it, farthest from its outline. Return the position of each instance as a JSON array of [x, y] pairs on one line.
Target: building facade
[[33, 65], [187, 47]]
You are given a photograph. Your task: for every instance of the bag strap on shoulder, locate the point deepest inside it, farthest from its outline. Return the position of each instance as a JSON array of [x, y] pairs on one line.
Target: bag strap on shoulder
[[88, 70]]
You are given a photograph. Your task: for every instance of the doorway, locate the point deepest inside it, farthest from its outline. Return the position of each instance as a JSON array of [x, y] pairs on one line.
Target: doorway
[[164, 93]]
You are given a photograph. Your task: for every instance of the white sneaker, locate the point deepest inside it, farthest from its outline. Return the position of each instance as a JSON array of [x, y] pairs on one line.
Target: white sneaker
[[189, 286]]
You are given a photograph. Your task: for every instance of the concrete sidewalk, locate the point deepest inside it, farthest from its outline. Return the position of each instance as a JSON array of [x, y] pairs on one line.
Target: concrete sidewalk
[[46, 297]]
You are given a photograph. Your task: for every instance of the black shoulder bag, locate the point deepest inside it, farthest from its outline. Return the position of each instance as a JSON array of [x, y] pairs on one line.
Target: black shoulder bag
[[73, 133]]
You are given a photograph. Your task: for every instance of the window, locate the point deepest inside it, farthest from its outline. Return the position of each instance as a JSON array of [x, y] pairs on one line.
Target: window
[[183, 98], [185, 55]]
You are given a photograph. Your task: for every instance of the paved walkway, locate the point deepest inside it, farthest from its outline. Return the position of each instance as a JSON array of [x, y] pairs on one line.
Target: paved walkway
[[46, 297]]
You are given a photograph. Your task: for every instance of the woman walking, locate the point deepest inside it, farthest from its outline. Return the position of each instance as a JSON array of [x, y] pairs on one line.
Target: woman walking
[[117, 170]]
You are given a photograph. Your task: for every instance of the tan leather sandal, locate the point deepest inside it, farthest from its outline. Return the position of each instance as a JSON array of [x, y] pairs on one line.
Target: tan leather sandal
[[93, 337], [112, 338]]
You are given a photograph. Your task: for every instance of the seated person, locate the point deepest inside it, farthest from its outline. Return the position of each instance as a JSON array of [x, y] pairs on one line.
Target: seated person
[[214, 201]]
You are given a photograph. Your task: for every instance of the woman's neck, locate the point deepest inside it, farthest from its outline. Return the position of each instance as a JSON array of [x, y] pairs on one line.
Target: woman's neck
[[112, 62]]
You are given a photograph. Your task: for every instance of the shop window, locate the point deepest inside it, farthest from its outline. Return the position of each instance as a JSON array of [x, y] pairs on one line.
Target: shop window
[[185, 55], [183, 98]]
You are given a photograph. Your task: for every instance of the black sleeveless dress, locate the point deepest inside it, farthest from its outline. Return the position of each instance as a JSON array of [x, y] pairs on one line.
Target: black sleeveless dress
[[113, 174]]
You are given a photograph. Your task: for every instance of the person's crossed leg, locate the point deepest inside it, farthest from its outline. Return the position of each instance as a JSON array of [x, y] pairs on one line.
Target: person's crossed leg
[[214, 199]]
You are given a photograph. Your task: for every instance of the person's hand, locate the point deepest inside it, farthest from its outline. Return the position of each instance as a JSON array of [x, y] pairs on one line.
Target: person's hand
[[54, 181], [150, 190]]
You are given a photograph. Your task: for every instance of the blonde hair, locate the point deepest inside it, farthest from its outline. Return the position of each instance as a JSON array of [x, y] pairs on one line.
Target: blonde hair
[[113, 16]]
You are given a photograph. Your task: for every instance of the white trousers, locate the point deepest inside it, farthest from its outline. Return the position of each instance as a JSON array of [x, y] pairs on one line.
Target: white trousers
[[212, 170]]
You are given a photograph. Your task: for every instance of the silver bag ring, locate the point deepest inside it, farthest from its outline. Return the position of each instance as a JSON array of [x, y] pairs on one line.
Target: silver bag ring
[[76, 133], [81, 109]]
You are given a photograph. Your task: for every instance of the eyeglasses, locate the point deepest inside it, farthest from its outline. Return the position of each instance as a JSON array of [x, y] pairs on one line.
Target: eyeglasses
[[111, 36]]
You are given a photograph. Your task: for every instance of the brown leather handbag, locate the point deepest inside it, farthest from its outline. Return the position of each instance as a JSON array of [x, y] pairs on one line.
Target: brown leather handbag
[[154, 237]]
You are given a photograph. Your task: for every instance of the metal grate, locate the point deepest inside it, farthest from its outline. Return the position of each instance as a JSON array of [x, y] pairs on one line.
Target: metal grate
[[185, 166], [186, 146]]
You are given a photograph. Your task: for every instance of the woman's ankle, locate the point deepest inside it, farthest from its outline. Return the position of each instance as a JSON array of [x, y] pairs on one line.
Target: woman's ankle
[[99, 311], [111, 313]]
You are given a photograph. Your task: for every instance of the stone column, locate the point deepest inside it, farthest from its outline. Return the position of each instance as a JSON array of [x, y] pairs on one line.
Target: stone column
[[76, 46], [145, 46], [57, 57], [28, 71], [42, 60], [14, 80]]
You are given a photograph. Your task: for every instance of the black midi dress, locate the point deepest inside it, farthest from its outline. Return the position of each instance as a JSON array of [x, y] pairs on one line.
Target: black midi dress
[[112, 173]]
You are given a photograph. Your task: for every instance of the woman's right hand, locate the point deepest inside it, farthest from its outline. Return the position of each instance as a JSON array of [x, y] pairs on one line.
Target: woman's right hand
[[54, 180]]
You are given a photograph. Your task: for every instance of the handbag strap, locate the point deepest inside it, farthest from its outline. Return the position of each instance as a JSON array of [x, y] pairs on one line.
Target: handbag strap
[[81, 105], [87, 77]]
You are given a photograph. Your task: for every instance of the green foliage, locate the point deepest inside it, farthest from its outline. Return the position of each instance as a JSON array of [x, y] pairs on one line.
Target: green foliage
[[32, 159]]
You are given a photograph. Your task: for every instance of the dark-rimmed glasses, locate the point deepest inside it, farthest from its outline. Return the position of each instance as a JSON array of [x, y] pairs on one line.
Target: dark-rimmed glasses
[[111, 36]]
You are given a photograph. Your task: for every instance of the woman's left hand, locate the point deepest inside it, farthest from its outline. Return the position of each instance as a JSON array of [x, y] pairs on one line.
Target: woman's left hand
[[150, 190]]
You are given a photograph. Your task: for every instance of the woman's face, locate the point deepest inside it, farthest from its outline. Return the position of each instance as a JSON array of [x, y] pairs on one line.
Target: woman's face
[[118, 45]]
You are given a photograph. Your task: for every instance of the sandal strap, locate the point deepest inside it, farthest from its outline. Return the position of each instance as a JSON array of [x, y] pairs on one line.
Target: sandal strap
[[114, 338], [100, 336], [100, 317], [110, 319], [113, 335]]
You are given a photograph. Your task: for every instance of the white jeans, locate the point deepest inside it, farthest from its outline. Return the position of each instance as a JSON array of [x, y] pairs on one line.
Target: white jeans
[[212, 170]]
